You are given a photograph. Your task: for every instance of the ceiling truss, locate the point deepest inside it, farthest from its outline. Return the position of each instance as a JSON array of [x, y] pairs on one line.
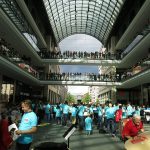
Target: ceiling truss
[[91, 17]]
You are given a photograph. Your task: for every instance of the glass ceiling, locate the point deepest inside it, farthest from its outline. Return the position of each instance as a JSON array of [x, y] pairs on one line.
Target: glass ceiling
[[91, 17]]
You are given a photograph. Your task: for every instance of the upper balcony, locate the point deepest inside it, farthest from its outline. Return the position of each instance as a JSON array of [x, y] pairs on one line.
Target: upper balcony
[[12, 67], [18, 31], [140, 21], [19, 14], [19, 34]]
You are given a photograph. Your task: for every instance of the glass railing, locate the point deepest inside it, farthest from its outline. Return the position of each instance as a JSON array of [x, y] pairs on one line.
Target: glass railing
[[12, 10], [135, 41], [22, 62], [132, 44], [79, 77], [14, 13], [135, 73], [78, 55], [92, 77]]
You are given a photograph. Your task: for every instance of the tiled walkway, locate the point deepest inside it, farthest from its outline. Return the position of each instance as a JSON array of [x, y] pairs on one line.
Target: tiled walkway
[[78, 141]]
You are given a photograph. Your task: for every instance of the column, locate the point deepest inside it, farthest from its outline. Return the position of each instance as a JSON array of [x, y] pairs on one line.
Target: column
[[142, 97], [1, 81], [46, 93], [145, 95], [52, 97], [14, 92], [49, 42], [113, 43], [49, 95]]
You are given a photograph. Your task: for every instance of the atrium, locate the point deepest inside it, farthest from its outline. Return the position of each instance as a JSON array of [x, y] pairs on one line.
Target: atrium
[[31, 57]]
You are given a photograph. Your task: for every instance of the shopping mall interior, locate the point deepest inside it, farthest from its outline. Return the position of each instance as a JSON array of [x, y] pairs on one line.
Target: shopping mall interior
[[30, 56]]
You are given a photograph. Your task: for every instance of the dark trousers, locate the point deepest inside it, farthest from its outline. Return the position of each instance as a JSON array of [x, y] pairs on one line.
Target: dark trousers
[[110, 125], [20, 146], [81, 122], [99, 126], [64, 119]]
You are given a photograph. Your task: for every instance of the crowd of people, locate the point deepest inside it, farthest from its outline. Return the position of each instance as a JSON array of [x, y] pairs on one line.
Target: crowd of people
[[78, 55], [25, 63], [12, 55], [80, 77], [108, 118]]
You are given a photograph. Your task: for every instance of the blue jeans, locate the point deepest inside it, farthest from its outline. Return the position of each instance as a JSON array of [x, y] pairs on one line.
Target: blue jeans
[[99, 126], [48, 116], [81, 122], [111, 125], [65, 119]]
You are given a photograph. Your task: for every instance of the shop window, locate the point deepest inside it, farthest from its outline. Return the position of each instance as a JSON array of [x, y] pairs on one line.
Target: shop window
[[7, 90]]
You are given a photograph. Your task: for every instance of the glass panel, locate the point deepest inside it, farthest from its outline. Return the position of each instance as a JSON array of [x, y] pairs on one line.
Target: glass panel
[[87, 16]]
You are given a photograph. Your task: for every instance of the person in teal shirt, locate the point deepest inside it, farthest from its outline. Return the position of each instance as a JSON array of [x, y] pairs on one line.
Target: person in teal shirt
[[65, 113], [81, 110], [129, 111], [47, 112], [58, 114], [137, 111], [88, 124], [73, 114], [27, 127], [100, 115]]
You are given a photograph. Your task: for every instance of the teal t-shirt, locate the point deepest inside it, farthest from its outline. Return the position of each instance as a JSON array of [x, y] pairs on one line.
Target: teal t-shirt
[[88, 124], [74, 112], [110, 112], [65, 109], [47, 109], [129, 110], [99, 109], [58, 112], [28, 121], [81, 111]]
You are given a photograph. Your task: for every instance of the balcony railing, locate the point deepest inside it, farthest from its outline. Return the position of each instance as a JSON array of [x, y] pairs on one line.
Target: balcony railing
[[78, 55], [132, 44], [12, 56], [14, 13], [135, 41], [79, 77], [134, 75]]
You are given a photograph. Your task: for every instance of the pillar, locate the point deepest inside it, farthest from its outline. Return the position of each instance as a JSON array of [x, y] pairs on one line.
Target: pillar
[[142, 97], [113, 44], [14, 92], [1, 82], [49, 42]]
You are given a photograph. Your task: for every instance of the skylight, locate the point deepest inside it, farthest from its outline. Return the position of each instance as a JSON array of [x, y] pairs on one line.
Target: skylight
[[92, 17]]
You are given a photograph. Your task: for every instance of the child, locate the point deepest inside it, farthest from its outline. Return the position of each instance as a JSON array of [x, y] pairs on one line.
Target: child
[[88, 124], [73, 114], [58, 114]]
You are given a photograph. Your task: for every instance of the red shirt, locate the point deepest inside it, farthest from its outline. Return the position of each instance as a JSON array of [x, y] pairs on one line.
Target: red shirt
[[118, 115], [131, 129], [5, 138]]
